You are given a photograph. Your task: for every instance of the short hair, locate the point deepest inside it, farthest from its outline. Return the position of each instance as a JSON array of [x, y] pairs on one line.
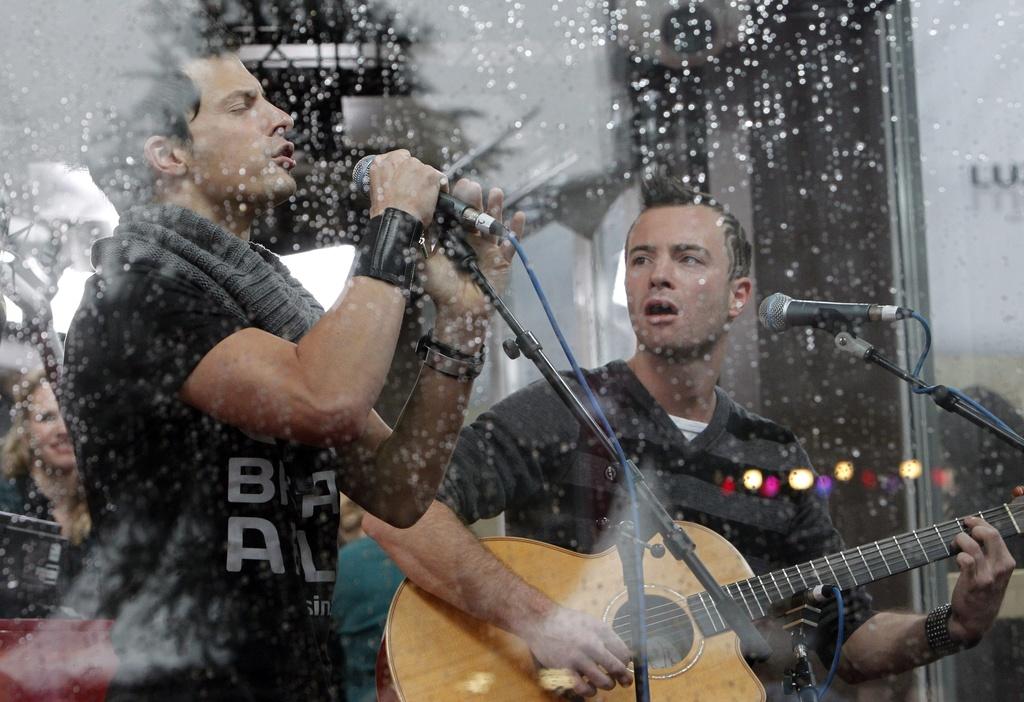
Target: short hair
[[115, 146], [159, 99], [659, 190]]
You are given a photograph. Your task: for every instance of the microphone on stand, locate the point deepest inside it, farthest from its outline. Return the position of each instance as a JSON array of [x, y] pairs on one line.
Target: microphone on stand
[[778, 312], [455, 208]]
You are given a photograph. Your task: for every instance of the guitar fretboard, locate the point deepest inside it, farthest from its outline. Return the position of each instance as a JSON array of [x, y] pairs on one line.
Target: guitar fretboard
[[848, 569]]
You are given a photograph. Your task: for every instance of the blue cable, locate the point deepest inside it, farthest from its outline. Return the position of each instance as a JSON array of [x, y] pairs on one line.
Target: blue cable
[[959, 394], [927, 345], [839, 643], [596, 407]]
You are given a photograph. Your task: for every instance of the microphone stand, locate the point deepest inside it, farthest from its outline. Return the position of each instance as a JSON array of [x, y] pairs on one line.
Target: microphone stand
[[849, 342], [799, 680], [676, 541]]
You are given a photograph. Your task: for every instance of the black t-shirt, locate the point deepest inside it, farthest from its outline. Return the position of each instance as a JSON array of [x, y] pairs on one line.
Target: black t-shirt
[[526, 457], [215, 549]]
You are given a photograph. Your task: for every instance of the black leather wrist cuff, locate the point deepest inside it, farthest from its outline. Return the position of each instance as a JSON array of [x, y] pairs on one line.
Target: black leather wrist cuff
[[389, 251]]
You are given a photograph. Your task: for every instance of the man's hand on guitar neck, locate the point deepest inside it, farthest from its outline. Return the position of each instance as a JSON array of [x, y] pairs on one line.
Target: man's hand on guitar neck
[[985, 569], [892, 642], [585, 648]]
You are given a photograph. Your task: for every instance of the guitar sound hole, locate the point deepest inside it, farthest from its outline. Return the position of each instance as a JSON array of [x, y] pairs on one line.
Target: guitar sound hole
[[669, 631]]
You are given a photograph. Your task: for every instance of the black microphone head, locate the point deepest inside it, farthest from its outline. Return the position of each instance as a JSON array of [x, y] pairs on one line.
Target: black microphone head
[[361, 174], [772, 312]]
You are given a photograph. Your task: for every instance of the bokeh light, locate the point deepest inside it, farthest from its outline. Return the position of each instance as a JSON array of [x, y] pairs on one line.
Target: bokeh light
[[753, 479], [801, 478], [844, 471], [910, 469]]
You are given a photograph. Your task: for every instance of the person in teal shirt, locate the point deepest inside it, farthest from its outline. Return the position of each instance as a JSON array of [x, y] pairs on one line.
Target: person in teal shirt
[[366, 583], [10, 497]]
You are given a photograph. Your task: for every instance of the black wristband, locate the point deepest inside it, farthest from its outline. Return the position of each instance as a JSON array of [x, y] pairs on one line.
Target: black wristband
[[447, 360], [389, 249], [451, 351], [936, 630]]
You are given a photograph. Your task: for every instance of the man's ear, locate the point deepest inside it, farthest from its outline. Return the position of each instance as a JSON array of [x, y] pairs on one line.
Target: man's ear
[[742, 289], [166, 156]]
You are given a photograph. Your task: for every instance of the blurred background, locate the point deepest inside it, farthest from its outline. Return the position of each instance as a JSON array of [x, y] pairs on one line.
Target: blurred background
[[870, 148]]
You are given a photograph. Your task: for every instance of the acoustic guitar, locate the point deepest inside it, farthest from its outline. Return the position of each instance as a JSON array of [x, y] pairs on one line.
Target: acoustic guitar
[[434, 652]]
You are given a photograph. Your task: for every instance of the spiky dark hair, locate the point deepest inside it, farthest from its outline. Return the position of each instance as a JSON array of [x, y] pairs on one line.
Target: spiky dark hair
[[659, 190]]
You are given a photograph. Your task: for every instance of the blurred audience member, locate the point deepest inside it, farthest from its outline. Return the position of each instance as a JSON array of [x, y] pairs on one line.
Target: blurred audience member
[[38, 456]]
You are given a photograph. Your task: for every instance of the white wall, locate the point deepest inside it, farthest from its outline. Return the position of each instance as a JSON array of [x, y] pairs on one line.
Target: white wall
[[970, 63]]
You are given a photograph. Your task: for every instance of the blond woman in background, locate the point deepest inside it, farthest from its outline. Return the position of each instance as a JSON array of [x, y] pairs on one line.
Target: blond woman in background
[[38, 447]]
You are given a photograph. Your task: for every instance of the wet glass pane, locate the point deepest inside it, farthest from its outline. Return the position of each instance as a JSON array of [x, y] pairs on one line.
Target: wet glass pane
[[208, 337]]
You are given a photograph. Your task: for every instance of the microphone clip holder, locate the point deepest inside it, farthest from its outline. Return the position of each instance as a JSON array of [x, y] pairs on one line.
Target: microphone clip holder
[[799, 679], [940, 394], [836, 323]]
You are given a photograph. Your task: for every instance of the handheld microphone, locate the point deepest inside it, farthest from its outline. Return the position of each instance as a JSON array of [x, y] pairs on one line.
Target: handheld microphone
[[779, 312], [453, 207]]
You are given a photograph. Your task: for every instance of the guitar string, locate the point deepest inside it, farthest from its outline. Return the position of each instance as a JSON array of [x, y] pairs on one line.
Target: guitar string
[[997, 517], [953, 527], [704, 609], [928, 538]]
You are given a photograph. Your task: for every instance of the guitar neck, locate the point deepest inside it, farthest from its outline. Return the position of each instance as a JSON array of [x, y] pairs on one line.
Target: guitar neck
[[850, 568]]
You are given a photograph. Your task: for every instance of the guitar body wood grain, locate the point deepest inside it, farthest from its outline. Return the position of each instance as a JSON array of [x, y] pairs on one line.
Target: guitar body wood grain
[[437, 653]]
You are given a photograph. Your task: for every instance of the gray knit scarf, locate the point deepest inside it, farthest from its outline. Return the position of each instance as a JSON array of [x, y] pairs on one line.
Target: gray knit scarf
[[241, 276]]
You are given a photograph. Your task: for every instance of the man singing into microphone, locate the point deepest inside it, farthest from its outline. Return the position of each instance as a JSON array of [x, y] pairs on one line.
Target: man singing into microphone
[[217, 410], [687, 279]]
